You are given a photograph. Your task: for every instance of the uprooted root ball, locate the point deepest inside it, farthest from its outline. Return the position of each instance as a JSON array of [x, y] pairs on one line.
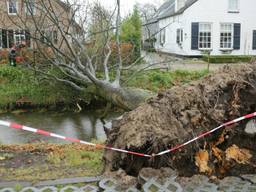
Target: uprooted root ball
[[181, 113]]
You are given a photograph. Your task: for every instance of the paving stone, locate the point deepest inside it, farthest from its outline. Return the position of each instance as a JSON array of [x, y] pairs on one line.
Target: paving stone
[[169, 186], [251, 178], [49, 189], [234, 184], [108, 185], [89, 188], [70, 189], [30, 189]]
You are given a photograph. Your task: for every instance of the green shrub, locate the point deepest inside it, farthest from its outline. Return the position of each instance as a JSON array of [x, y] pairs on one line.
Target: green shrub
[[227, 59]]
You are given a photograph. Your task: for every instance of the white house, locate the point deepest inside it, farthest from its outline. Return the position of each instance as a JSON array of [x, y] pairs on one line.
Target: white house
[[193, 27]]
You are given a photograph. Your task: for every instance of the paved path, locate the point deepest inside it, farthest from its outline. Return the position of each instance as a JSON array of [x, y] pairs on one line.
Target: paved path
[[149, 183]]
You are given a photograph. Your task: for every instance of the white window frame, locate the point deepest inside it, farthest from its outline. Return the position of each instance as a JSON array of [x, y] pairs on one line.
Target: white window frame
[[179, 36], [201, 31], [8, 7], [19, 36], [233, 10], [231, 37], [28, 2]]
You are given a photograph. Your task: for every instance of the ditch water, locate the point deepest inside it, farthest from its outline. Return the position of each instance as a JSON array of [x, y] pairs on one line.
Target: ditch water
[[86, 126]]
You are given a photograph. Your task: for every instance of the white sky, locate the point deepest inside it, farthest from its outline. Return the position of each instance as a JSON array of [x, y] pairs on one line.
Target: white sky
[[127, 5]]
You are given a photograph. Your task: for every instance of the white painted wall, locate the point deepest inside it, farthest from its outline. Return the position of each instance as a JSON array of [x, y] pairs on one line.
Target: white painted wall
[[215, 12]]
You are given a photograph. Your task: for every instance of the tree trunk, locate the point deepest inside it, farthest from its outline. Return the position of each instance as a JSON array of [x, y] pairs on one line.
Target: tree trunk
[[180, 114], [127, 98]]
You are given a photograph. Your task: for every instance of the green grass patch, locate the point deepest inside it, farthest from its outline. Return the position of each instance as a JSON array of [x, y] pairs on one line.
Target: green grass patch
[[228, 59], [157, 80], [49, 161], [20, 84]]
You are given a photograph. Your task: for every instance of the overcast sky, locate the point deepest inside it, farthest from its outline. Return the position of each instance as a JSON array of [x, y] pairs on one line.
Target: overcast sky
[[127, 5]]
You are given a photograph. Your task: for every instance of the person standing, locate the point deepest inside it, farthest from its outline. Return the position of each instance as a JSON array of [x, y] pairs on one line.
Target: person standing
[[12, 56]]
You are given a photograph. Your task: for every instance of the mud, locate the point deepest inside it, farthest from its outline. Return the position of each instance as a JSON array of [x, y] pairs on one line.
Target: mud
[[181, 113]]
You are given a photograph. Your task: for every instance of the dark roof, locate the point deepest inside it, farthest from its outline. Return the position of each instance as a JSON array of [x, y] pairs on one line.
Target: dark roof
[[168, 10]]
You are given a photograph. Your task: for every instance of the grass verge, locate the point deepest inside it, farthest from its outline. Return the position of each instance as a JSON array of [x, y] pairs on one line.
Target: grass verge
[[157, 80], [19, 86], [39, 162]]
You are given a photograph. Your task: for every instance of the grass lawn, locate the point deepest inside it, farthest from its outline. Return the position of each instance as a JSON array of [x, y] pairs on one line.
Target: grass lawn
[[48, 161]]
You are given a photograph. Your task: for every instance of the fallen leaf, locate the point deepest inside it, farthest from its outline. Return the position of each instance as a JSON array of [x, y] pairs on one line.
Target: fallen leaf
[[241, 156], [202, 158]]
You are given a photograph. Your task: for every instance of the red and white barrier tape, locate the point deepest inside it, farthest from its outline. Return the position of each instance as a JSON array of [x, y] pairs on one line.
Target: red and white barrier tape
[[207, 133], [46, 133]]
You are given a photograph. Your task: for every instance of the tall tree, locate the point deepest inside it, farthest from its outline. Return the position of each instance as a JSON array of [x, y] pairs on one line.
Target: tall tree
[[131, 31]]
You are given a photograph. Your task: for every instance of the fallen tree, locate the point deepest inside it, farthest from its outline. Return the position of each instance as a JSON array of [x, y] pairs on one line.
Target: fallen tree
[[181, 113], [77, 45]]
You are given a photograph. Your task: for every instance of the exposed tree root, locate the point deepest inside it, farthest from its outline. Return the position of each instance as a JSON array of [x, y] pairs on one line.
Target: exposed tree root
[[179, 114]]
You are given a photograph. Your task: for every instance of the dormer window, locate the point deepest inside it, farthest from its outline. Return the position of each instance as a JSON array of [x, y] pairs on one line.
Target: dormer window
[[12, 7], [233, 6]]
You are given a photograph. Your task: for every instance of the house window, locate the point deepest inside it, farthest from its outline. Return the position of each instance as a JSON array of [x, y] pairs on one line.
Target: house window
[[179, 37], [19, 37], [205, 36], [49, 37], [12, 7], [162, 36], [30, 7], [226, 36], [233, 5]]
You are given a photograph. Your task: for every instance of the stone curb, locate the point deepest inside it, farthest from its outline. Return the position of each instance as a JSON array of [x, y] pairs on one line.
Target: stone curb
[[66, 181]]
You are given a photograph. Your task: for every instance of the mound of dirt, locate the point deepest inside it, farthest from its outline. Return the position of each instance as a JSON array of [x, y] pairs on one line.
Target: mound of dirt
[[181, 113]]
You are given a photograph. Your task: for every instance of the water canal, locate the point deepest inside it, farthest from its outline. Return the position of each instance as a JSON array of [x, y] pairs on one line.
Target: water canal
[[86, 126]]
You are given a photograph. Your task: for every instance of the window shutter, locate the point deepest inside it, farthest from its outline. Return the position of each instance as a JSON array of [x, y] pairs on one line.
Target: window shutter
[[10, 38], [4, 38], [254, 40], [237, 35], [194, 36], [28, 38]]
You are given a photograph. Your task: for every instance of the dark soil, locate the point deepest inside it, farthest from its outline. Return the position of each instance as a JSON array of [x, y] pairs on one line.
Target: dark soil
[[181, 113]]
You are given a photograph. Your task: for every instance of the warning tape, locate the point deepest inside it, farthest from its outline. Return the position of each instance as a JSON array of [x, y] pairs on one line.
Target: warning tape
[[207, 133], [46, 133]]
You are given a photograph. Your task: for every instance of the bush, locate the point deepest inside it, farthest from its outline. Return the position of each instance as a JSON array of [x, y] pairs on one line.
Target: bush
[[227, 59]]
